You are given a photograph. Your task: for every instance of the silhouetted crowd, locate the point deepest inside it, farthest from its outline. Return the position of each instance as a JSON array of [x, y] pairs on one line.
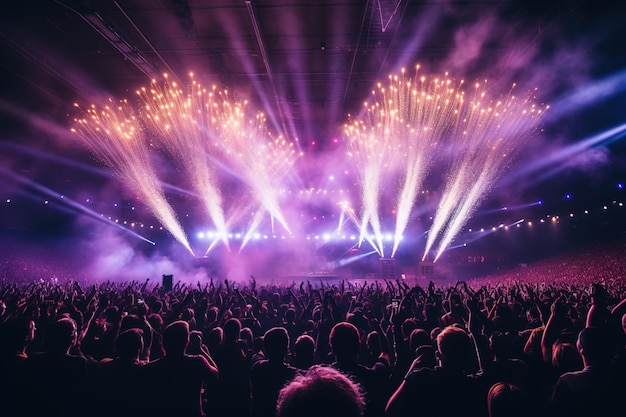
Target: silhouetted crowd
[[514, 347]]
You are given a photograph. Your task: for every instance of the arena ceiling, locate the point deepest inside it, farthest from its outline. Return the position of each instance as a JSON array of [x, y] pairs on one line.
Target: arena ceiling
[[307, 63]]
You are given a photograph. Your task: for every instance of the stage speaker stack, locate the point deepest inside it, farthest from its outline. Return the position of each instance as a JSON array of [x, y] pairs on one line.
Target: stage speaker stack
[[387, 268], [167, 282]]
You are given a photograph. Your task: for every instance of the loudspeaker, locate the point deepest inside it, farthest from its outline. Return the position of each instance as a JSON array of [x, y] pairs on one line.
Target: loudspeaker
[[167, 282]]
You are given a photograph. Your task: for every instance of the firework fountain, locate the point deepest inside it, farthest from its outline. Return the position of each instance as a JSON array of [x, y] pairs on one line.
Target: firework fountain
[[487, 134], [208, 134], [116, 136], [186, 124], [261, 160], [394, 143], [409, 124]]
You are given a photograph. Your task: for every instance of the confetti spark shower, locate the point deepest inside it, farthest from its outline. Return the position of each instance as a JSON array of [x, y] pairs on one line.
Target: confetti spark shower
[[115, 135], [261, 160], [486, 136], [188, 127], [394, 144], [407, 128], [207, 134]]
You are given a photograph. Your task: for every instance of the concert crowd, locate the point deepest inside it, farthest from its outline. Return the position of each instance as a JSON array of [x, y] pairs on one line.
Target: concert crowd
[[542, 341]]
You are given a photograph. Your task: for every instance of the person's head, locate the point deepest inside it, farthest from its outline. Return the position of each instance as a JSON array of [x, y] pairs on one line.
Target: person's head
[[290, 315], [419, 337], [113, 315], [454, 348], [61, 336], [566, 358], [345, 341], [276, 344], [322, 391], [129, 343], [304, 349], [189, 316], [532, 314], [232, 327], [212, 314], [426, 356], [130, 321], [507, 400], [176, 338], [142, 309], [594, 346], [215, 338], [408, 326], [247, 336], [156, 307]]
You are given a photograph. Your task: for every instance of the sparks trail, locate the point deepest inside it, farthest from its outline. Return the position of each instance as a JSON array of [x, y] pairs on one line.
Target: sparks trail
[[210, 135], [393, 145], [487, 135], [116, 136], [186, 125], [406, 128]]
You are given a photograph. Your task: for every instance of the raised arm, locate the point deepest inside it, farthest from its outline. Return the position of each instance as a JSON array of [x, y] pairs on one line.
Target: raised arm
[[555, 324]]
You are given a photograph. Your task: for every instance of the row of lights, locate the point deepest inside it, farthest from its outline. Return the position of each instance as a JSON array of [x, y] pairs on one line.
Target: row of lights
[[388, 237]]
